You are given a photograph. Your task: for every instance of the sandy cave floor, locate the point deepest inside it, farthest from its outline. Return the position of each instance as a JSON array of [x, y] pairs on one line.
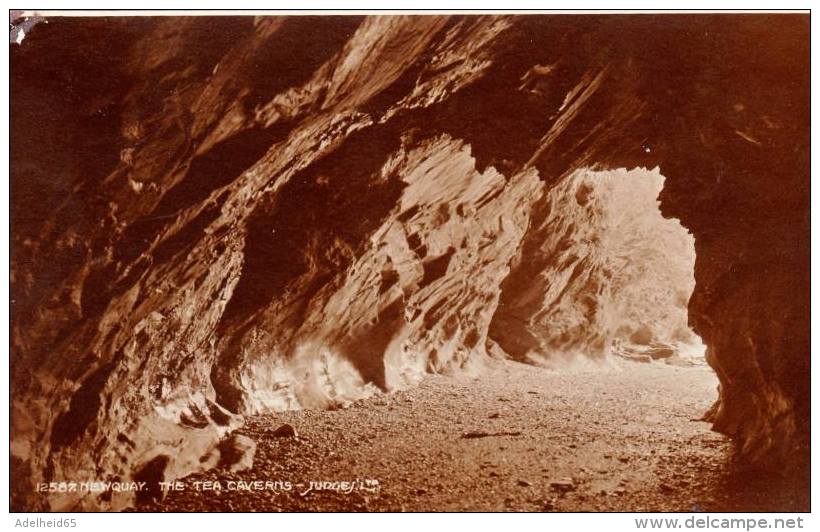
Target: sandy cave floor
[[624, 438]]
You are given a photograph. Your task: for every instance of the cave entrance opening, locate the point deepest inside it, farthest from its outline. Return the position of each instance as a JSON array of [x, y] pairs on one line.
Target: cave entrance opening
[[602, 274], [646, 265]]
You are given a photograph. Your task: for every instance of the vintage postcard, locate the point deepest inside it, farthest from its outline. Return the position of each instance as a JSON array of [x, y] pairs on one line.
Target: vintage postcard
[[417, 262]]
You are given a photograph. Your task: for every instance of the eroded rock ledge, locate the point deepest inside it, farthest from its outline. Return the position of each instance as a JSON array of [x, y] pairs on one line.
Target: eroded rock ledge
[[219, 216]]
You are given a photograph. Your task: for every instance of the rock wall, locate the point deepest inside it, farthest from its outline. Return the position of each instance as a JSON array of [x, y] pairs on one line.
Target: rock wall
[[376, 307], [598, 266], [219, 216]]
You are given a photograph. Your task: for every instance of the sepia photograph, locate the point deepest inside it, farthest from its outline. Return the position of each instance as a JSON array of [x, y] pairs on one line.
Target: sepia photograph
[[410, 261]]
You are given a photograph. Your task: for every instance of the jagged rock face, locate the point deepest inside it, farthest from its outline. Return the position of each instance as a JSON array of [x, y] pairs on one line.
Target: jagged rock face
[[217, 216], [598, 265], [378, 307]]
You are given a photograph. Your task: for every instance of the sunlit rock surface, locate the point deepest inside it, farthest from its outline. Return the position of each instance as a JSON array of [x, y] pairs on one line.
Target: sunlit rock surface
[[218, 216], [375, 309], [598, 266]]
